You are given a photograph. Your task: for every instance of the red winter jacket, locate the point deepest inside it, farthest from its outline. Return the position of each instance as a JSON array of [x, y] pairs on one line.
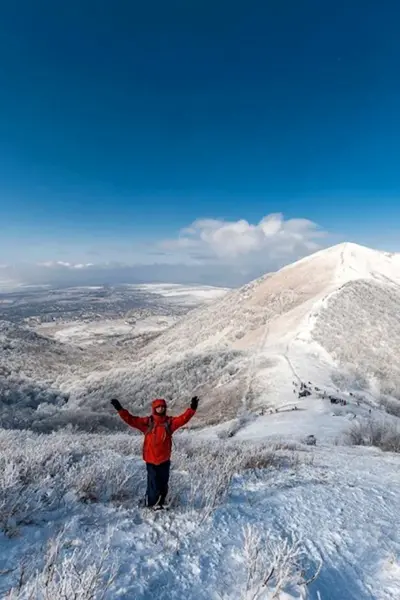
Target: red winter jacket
[[157, 445]]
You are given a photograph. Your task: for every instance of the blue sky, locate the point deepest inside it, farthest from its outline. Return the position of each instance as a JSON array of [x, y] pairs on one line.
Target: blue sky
[[121, 124]]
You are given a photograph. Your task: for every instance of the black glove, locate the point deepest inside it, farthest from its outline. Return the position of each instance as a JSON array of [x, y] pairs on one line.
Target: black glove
[[194, 403], [116, 404]]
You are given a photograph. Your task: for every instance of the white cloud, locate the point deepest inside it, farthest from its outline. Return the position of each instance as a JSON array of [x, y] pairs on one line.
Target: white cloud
[[210, 251], [273, 238], [51, 264], [83, 266]]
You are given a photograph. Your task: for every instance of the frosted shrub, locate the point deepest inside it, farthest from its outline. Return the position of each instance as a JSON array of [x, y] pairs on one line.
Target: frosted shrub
[[352, 325], [152, 380], [391, 387], [11, 496], [96, 478], [20, 397], [237, 424], [26, 483], [349, 379], [68, 573], [214, 466], [274, 567], [205, 487], [46, 409], [79, 420], [382, 434], [37, 471], [391, 405]]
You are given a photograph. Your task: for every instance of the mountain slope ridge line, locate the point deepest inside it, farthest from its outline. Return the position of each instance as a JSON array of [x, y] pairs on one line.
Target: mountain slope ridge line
[[306, 322]]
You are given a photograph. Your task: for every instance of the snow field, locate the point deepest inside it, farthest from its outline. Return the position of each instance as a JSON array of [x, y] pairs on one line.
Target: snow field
[[258, 516], [314, 320], [184, 294], [99, 332], [248, 521]]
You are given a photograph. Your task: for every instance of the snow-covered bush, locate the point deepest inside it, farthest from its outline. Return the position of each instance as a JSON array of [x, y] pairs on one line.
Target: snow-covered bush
[[391, 388], [29, 479], [79, 419], [216, 464], [349, 379], [237, 424], [359, 326], [174, 381], [337, 412], [21, 397], [68, 475], [38, 473], [68, 572], [274, 567], [96, 478], [383, 434], [391, 405]]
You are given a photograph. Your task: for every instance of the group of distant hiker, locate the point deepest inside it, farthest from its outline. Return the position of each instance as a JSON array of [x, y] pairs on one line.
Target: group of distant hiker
[[158, 429]]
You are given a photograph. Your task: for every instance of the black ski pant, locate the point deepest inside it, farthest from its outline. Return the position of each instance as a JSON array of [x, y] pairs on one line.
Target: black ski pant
[[157, 483]]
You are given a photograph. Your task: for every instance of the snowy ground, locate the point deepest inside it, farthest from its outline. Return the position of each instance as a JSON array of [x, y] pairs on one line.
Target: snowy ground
[[254, 516], [308, 321], [99, 332], [324, 508], [313, 416], [184, 294]]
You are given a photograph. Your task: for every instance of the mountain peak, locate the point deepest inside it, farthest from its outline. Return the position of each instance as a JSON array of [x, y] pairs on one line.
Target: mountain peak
[[352, 261], [314, 318], [279, 303]]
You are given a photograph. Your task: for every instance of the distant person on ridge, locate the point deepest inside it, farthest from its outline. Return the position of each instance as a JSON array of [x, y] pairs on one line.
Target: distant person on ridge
[[158, 429]]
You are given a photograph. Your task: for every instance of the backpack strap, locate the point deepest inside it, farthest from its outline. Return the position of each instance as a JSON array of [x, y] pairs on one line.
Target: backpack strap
[[167, 425], [150, 424]]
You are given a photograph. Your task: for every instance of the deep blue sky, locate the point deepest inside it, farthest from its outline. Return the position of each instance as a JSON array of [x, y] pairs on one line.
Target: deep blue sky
[[122, 121]]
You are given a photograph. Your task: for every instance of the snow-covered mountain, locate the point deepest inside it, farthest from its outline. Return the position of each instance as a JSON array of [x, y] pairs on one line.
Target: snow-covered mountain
[[250, 517], [281, 302], [51, 340], [330, 318]]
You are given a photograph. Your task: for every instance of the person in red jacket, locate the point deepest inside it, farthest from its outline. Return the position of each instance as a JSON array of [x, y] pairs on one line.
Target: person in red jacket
[[158, 429]]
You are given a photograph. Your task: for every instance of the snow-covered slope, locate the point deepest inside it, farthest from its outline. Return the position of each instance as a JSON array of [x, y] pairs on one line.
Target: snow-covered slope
[[280, 301], [248, 521], [100, 332], [330, 318], [258, 516], [183, 294]]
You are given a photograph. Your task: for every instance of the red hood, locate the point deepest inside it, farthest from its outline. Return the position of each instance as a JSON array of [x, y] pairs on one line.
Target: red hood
[[155, 404]]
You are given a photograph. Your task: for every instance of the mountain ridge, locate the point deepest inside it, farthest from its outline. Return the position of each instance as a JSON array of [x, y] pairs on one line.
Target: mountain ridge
[[275, 323], [330, 318], [292, 291]]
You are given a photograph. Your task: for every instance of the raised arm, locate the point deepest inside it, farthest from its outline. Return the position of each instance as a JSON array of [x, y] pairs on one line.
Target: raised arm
[[185, 417], [140, 423]]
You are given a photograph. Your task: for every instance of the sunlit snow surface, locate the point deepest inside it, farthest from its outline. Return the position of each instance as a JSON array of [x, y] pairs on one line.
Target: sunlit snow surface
[[101, 331], [331, 320], [340, 504], [185, 294]]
